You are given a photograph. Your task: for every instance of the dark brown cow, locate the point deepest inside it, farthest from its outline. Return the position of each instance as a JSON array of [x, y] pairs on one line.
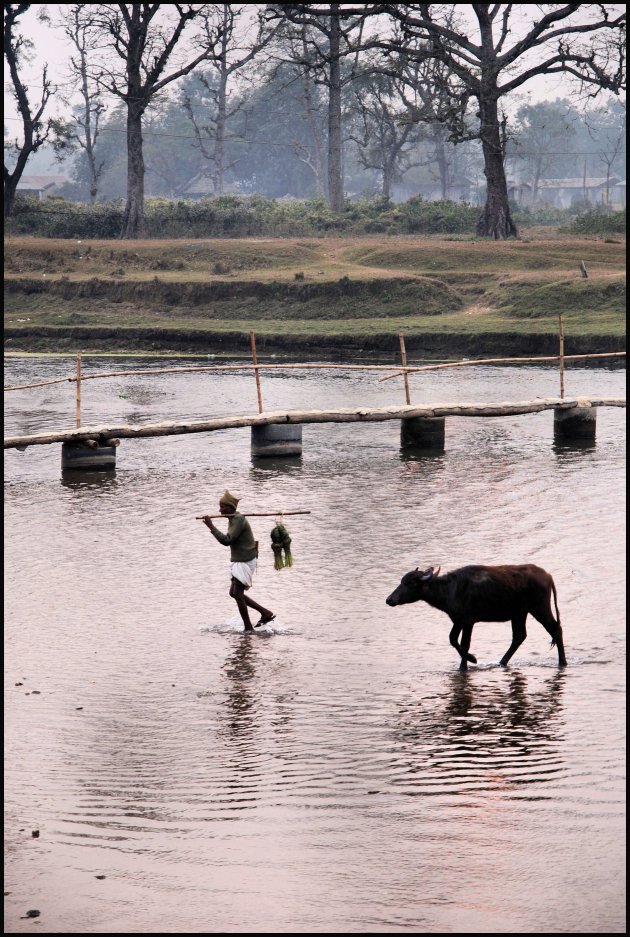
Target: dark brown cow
[[486, 593]]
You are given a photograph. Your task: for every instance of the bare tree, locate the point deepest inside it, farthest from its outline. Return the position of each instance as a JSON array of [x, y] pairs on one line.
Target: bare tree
[[543, 128], [230, 58], [608, 127], [331, 35], [495, 56], [432, 95], [608, 158], [145, 36], [312, 156], [387, 134], [284, 70], [76, 26], [35, 132]]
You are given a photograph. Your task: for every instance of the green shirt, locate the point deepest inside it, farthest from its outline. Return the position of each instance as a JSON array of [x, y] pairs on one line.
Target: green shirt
[[239, 538]]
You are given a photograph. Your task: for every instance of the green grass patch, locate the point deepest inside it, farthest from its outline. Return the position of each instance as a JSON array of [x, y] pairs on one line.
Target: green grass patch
[[603, 298]]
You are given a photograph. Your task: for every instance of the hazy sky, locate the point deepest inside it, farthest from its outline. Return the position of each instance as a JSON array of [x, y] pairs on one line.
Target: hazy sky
[[52, 48]]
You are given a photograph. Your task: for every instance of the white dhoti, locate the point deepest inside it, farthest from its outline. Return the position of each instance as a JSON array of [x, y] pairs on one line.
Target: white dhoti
[[244, 572]]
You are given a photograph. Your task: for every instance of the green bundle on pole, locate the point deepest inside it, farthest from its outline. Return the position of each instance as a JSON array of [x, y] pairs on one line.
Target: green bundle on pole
[[281, 546]]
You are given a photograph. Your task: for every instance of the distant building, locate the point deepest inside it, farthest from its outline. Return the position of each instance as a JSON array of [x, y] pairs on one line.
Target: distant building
[[41, 187], [460, 189], [202, 186], [564, 193]]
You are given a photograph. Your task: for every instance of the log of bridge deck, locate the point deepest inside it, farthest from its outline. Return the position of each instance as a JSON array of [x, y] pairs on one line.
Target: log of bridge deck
[[367, 415]]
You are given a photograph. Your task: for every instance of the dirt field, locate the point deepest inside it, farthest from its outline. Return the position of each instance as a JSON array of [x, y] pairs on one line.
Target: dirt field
[[442, 293]]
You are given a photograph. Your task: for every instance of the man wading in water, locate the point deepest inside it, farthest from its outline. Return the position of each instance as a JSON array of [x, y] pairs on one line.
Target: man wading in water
[[243, 552]]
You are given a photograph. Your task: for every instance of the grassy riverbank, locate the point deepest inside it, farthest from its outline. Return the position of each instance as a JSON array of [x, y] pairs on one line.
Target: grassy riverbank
[[448, 295]]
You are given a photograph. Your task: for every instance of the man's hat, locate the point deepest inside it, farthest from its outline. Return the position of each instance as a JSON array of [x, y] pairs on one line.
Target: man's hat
[[229, 499]]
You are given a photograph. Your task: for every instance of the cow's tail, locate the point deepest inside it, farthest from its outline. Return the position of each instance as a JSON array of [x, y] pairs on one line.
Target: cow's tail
[[555, 602]]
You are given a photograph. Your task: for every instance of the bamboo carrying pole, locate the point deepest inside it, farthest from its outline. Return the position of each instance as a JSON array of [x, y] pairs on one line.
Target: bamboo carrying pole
[[252, 339], [561, 355], [79, 388], [202, 517], [403, 358]]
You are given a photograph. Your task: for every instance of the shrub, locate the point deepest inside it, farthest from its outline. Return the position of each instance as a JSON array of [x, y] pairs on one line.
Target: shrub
[[599, 221], [237, 216]]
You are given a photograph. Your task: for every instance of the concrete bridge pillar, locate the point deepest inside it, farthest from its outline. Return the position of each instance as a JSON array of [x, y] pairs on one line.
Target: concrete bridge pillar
[[574, 423], [277, 439], [422, 432], [89, 454]]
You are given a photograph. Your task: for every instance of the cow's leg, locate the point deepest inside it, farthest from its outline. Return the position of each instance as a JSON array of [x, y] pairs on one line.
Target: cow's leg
[[519, 633], [455, 632], [549, 623], [465, 645]]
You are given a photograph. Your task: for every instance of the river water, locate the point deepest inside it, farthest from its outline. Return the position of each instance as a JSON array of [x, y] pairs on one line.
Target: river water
[[335, 773]]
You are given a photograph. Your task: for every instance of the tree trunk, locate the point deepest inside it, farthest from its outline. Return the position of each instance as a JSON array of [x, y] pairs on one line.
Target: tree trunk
[[133, 221], [386, 187], [10, 185], [219, 148], [495, 220], [89, 138], [335, 176], [536, 181], [442, 162], [317, 162]]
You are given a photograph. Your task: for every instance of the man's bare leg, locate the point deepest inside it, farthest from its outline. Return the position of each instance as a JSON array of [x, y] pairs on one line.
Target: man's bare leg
[[237, 591], [265, 613]]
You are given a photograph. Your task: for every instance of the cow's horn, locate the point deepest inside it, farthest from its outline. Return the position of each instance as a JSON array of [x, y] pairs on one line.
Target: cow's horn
[[436, 572]]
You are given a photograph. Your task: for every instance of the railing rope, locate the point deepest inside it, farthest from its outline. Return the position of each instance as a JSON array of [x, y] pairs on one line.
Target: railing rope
[[337, 367], [464, 364]]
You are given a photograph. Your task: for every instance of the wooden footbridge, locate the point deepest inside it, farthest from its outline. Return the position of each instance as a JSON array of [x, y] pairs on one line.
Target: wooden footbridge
[[103, 433], [420, 424]]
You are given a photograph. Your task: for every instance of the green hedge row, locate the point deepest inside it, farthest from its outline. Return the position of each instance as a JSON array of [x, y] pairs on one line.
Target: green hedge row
[[251, 216]]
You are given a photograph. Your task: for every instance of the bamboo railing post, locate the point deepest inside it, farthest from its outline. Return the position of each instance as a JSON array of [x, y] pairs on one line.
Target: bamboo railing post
[[403, 357], [561, 358], [78, 398], [252, 339]]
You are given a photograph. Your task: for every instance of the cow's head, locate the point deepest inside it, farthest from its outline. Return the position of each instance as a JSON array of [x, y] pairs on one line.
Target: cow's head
[[413, 586]]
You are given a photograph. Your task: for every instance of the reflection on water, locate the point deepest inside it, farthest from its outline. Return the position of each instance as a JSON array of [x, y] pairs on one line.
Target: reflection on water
[[412, 454], [573, 448], [338, 774], [285, 465], [482, 732], [242, 704], [513, 708], [94, 481]]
